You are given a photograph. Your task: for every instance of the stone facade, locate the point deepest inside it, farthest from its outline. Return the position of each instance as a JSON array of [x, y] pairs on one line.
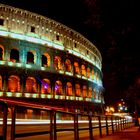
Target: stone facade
[[43, 59]]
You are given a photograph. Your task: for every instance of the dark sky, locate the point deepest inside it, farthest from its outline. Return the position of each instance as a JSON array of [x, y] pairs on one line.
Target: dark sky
[[112, 25]]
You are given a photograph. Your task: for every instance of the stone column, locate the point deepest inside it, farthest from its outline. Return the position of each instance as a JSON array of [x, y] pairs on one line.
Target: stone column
[[5, 82]]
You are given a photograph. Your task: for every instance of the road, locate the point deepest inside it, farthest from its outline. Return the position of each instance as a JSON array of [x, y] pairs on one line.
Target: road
[[38, 126], [65, 135]]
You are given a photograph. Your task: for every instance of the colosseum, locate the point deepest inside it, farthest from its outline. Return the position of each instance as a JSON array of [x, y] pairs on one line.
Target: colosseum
[[44, 61]]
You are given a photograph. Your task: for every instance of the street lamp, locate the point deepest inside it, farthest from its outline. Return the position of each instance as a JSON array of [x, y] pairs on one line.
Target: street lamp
[[137, 87]]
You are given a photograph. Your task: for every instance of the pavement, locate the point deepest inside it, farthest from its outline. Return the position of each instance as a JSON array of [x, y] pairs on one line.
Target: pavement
[[132, 133]]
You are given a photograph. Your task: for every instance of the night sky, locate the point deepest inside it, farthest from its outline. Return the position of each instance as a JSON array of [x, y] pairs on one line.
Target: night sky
[[112, 25]]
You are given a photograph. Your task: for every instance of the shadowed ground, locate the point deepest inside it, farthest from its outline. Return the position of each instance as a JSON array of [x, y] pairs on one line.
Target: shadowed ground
[[127, 134]]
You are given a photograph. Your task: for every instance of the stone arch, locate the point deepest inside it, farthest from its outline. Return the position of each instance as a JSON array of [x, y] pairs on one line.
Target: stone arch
[[88, 72], [0, 82], [83, 70], [14, 83], [58, 87], [31, 84], [31, 59], [46, 86], [46, 60], [84, 91], [77, 90], [92, 74], [57, 63], [90, 92], [1, 52], [76, 68], [68, 89], [14, 55], [68, 66]]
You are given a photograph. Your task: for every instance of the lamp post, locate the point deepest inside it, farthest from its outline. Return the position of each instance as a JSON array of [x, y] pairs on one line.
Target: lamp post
[[136, 111], [137, 87]]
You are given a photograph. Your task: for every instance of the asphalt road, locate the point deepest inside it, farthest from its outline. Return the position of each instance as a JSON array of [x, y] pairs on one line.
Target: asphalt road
[[41, 130], [63, 135]]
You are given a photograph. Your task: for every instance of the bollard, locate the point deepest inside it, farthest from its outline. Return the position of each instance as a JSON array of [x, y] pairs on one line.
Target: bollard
[[4, 126], [90, 127], [13, 112], [116, 123], [121, 123], [76, 133], [53, 134], [100, 126], [106, 119], [112, 124]]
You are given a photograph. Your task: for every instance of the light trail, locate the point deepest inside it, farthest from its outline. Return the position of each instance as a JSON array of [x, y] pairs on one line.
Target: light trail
[[36, 121]]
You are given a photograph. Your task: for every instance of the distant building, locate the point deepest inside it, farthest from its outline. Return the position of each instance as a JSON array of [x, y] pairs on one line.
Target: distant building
[[44, 61]]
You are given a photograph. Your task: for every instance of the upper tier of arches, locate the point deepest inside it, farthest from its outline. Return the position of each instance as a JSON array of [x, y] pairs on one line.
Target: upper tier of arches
[[24, 25], [46, 60]]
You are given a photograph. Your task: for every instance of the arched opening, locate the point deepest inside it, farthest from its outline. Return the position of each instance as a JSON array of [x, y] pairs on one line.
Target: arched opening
[[46, 87], [88, 72], [0, 82], [14, 55], [58, 87], [94, 93], [76, 68], [31, 84], [30, 58], [97, 77], [68, 89], [46, 60], [68, 65], [1, 52], [57, 63], [83, 69], [84, 91], [13, 83], [90, 92], [92, 74], [77, 90]]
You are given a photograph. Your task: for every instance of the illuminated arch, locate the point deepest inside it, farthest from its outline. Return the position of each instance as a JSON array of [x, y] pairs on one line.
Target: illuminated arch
[[68, 65], [31, 84], [0, 82], [46, 60], [57, 63], [83, 70], [1, 52], [92, 74], [77, 90], [14, 55], [94, 93], [88, 72], [90, 92], [31, 59], [68, 89], [97, 77], [58, 87], [76, 68], [14, 83], [46, 86], [84, 92]]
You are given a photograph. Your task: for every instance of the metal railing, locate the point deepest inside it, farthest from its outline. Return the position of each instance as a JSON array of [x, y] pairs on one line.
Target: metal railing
[[113, 123]]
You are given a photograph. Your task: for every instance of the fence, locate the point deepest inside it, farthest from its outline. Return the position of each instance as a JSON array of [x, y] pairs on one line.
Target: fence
[[113, 123]]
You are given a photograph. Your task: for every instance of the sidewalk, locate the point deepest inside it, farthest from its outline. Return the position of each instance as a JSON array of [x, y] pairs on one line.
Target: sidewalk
[[132, 133]]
